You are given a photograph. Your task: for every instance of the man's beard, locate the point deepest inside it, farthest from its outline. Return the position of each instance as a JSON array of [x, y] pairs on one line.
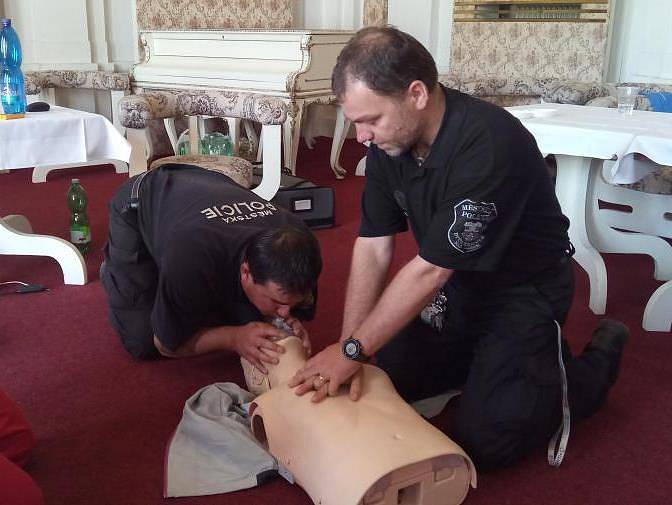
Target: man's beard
[[402, 146], [395, 150]]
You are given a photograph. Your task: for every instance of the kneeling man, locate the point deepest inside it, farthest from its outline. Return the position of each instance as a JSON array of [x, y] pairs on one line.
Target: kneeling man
[[195, 263]]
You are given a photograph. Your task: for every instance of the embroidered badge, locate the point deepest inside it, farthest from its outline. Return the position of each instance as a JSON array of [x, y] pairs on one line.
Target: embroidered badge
[[434, 313], [467, 232]]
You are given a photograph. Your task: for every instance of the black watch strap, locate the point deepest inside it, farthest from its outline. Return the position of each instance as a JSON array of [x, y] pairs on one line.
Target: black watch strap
[[352, 349]]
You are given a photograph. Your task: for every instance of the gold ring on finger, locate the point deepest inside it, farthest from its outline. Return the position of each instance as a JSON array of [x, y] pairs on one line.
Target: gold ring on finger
[[319, 381]]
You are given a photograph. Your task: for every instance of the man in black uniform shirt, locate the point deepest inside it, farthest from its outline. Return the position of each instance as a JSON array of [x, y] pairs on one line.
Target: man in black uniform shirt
[[194, 263], [481, 305]]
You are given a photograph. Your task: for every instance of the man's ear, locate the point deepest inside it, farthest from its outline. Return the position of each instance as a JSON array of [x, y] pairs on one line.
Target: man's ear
[[418, 94]]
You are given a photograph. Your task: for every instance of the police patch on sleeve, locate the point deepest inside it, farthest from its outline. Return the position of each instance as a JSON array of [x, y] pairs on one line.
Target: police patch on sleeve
[[467, 232]]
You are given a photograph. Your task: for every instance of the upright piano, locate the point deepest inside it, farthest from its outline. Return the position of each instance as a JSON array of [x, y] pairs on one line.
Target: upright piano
[[292, 65]]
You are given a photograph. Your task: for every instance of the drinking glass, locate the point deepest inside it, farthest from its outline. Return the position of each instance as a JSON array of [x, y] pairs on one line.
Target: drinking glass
[[626, 99]]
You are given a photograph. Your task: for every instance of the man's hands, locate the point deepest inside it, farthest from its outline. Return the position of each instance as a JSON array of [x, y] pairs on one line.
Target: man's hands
[[253, 342], [325, 372]]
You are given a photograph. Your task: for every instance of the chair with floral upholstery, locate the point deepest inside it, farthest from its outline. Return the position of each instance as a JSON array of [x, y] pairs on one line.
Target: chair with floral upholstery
[[136, 112]]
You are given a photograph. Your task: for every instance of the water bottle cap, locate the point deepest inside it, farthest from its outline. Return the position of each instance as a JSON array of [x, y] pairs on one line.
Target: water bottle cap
[[5, 22], [75, 181]]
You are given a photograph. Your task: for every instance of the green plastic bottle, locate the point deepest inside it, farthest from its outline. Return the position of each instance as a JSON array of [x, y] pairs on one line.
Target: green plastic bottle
[[80, 231]]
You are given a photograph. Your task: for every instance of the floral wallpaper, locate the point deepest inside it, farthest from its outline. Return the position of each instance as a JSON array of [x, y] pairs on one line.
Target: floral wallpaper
[[563, 50], [375, 12], [222, 14]]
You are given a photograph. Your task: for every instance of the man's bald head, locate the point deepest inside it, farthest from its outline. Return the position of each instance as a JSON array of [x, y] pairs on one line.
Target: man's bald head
[[386, 59]]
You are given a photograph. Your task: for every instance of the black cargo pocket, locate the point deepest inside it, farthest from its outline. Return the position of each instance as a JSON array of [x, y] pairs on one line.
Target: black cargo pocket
[[129, 281]]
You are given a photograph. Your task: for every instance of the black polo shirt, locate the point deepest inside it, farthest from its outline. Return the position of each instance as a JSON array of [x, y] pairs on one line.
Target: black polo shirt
[[196, 223], [482, 203]]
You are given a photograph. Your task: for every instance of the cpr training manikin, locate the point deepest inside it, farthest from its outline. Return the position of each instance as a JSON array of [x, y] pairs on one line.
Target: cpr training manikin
[[374, 451]]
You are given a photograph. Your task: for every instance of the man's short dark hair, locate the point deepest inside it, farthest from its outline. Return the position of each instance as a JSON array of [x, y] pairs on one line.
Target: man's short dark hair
[[386, 59], [288, 255]]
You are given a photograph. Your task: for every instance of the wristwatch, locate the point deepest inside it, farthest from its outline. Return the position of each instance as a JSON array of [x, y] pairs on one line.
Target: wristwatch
[[352, 349]]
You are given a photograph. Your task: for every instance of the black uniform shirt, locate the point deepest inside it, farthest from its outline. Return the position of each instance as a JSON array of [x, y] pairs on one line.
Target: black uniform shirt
[[196, 224], [482, 203]]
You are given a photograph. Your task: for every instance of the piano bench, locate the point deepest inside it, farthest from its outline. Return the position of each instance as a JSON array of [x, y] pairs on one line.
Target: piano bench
[[238, 169]]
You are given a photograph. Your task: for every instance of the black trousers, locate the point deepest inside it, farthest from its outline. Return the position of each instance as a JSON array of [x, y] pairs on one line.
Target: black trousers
[[501, 348], [129, 276]]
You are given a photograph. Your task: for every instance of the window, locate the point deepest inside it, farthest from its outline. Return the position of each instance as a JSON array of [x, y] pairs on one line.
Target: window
[[536, 10]]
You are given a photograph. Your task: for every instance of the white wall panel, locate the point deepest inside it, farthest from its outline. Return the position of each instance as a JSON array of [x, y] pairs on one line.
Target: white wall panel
[[642, 41], [122, 33], [429, 21], [328, 14], [53, 34], [95, 15]]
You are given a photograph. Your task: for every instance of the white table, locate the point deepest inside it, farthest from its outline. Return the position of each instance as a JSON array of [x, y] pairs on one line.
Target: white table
[[581, 138], [59, 138]]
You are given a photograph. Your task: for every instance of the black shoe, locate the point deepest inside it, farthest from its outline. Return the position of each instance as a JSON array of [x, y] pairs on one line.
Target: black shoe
[[610, 337]]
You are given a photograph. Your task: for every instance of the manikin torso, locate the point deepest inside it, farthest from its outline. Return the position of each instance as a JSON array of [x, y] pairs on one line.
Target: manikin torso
[[375, 451]]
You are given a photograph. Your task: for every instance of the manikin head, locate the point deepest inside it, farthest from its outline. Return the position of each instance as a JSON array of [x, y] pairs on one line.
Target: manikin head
[[279, 271], [385, 80]]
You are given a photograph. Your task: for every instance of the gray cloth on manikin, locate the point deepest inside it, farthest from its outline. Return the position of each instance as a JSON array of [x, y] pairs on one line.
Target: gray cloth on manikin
[[213, 450], [434, 405]]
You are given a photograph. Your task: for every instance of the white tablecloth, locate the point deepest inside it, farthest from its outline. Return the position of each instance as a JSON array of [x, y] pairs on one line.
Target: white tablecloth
[[60, 136], [603, 133]]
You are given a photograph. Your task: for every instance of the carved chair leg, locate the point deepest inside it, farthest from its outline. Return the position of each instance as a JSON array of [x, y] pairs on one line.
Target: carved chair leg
[[139, 139]]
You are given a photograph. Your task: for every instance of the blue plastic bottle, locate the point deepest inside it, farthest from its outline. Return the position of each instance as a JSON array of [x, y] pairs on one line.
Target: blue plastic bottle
[[12, 87]]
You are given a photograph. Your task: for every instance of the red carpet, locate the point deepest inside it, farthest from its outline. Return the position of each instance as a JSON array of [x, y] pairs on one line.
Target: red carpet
[[102, 420]]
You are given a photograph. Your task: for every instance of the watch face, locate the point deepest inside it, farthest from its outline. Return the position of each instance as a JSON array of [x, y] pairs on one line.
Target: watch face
[[351, 349]]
